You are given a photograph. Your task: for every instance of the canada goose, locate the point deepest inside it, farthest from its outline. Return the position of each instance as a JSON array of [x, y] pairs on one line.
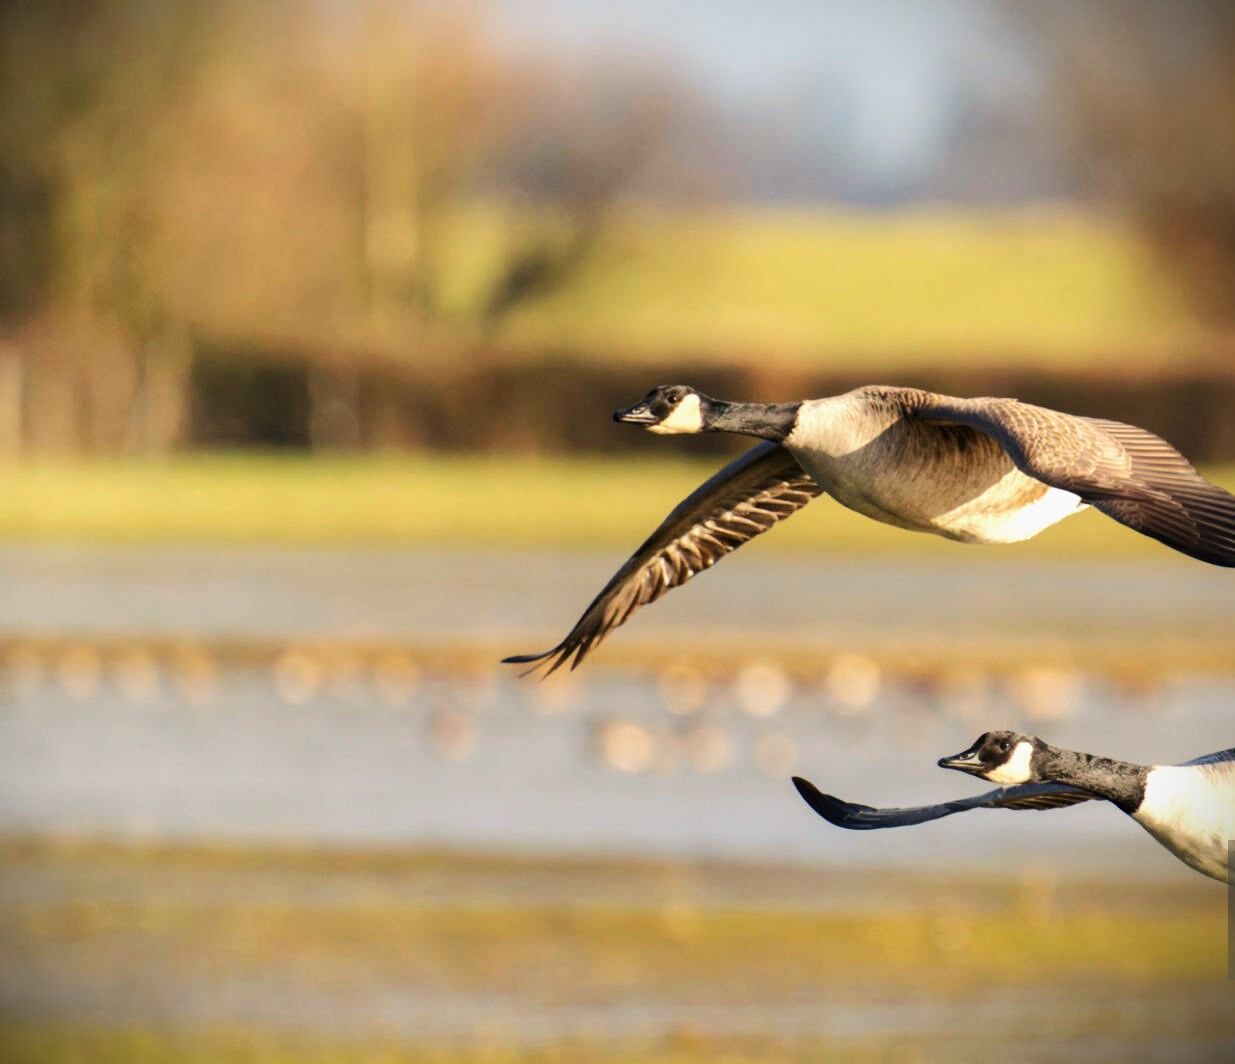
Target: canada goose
[[1188, 808], [974, 470]]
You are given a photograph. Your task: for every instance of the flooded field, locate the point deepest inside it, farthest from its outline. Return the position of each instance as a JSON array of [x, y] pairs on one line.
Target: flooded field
[[527, 598], [599, 767], [250, 813], [337, 745]]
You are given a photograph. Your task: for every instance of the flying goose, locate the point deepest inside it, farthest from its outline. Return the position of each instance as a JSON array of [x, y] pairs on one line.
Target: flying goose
[[973, 470], [1188, 808]]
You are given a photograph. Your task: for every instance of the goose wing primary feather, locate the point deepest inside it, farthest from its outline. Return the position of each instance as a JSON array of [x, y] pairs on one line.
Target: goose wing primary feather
[[1126, 472], [744, 499], [866, 818]]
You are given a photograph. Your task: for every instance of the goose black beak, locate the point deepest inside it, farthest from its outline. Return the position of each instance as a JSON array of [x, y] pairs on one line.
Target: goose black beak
[[965, 761], [639, 414]]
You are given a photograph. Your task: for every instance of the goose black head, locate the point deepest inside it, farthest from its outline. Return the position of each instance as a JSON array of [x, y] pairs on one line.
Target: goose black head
[[669, 409], [1003, 757]]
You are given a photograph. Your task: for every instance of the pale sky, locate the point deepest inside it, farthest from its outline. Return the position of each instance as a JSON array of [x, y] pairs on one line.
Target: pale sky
[[901, 64]]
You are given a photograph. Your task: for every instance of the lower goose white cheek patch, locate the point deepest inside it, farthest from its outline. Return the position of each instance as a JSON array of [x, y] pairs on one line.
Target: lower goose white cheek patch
[[1016, 768], [685, 417]]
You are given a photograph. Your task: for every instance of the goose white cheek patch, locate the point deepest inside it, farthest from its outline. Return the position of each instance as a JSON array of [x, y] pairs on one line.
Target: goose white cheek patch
[[1016, 768], [685, 417]]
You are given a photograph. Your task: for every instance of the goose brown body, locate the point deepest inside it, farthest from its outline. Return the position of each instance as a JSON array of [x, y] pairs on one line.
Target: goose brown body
[[984, 470], [875, 456]]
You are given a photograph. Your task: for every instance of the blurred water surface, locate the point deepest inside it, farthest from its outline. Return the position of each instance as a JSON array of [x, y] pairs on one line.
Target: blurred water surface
[[613, 762], [260, 591], [452, 771]]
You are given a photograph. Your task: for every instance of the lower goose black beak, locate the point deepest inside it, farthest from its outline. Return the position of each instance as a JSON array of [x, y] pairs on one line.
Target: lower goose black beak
[[639, 414], [965, 761]]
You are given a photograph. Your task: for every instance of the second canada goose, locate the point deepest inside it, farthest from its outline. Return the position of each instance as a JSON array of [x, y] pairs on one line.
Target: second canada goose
[[1188, 808], [973, 470]]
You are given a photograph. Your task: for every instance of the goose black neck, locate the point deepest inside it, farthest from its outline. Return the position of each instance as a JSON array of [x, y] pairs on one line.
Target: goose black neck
[[1119, 782], [770, 421]]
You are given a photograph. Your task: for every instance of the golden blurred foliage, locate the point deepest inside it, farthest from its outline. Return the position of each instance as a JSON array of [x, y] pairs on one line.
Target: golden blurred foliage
[[228, 223], [292, 174]]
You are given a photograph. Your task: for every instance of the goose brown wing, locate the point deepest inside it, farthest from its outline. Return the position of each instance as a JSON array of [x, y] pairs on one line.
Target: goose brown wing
[[1126, 472], [867, 818], [744, 499]]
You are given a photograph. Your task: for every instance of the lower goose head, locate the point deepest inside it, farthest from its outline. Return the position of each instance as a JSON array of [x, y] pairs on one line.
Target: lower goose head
[[1004, 757]]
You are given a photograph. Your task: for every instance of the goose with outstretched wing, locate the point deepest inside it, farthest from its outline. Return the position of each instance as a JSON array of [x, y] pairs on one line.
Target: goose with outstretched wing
[[973, 470], [1188, 808], [857, 817]]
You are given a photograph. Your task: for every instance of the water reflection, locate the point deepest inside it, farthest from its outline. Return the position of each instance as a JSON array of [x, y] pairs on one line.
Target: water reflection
[[343, 750]]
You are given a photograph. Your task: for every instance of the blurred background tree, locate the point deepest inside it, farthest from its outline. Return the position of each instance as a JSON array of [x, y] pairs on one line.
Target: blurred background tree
[[91, 97], [282, 177], [333, 226], [1143, 95]]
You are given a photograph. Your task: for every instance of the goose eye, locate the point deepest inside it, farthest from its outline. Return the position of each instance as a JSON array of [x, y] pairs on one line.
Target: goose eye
[[673, 400]]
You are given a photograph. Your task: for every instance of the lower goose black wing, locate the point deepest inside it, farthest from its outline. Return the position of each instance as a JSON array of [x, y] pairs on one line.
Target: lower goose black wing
[[747, 497], [1218, 758], [1126, 472], [866, 818]]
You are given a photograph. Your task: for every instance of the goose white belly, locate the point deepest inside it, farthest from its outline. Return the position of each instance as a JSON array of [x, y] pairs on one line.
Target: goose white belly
[[1007, 513], [1191, 811], [949, 480], [942, 500]]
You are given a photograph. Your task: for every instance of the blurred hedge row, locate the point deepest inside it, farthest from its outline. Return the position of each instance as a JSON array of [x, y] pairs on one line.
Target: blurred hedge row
[[562, 404]]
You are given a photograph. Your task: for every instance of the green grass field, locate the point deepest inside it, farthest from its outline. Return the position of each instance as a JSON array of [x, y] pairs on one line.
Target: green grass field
[[514, 502], [141, 957], [67, 1045], [906, 288]]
